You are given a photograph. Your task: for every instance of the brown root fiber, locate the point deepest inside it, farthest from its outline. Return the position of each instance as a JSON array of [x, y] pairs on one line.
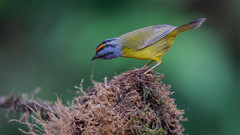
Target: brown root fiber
[[131, 103]]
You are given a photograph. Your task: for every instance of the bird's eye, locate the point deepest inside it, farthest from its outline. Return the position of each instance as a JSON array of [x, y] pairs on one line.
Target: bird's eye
[[107, 55]]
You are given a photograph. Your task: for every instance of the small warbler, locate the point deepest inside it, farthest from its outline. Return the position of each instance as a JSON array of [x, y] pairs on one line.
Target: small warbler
[[149, 43]]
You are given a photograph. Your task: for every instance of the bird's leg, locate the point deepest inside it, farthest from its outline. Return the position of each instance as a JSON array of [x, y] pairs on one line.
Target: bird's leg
[[148, 64], [158, 63], [145, 66]]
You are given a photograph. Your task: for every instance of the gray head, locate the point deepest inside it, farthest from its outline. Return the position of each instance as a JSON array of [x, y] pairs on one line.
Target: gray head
[[108, 49]]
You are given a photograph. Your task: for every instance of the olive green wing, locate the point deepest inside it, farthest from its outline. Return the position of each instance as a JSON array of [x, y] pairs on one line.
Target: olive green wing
[[144, 37], [135, 39], [159, 32]]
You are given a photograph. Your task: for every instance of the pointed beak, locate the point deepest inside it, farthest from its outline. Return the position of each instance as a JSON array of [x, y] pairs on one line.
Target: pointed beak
[[95, 57]]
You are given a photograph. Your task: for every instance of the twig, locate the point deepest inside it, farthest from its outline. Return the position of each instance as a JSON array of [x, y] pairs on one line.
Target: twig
[[22, 103]]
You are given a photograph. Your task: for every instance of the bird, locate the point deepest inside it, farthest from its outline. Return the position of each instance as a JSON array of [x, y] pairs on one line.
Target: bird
[[148, 43]]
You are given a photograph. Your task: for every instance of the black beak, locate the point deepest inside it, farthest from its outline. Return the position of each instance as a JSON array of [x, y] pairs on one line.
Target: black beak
[[95, 57]]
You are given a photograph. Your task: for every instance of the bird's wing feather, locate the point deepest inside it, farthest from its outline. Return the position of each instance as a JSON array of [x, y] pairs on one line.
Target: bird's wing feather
[[135, 39], [145, 37], [159, 32]]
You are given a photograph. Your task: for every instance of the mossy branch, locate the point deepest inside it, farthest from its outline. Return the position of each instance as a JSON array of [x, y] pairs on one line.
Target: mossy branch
[[26, 104], [130, 103]]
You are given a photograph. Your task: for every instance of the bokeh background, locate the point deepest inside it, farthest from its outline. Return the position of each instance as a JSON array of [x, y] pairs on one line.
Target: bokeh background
[[49, 44]]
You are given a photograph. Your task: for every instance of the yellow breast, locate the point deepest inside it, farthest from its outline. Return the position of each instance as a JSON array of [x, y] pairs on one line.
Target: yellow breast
[[152, 52], [147, 43]]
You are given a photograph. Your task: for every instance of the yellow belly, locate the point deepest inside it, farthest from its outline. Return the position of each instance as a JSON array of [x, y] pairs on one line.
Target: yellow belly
[[152, 52]]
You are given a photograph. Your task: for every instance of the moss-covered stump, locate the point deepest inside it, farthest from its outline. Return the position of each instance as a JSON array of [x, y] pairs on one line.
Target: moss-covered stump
[[131, 103]]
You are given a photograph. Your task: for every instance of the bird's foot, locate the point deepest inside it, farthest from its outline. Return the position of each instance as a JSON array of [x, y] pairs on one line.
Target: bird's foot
[[149, 75]]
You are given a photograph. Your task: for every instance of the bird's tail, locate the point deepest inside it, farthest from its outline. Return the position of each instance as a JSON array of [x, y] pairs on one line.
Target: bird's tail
[[191, 25]]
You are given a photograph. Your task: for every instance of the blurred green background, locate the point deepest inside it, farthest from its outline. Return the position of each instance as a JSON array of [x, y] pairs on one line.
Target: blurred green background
[[49, 44]]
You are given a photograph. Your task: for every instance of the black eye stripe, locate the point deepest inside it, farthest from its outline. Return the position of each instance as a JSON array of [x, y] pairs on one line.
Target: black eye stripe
[[105, 41], [102, 43], [113, 46], [107, 54], [100, 49]]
